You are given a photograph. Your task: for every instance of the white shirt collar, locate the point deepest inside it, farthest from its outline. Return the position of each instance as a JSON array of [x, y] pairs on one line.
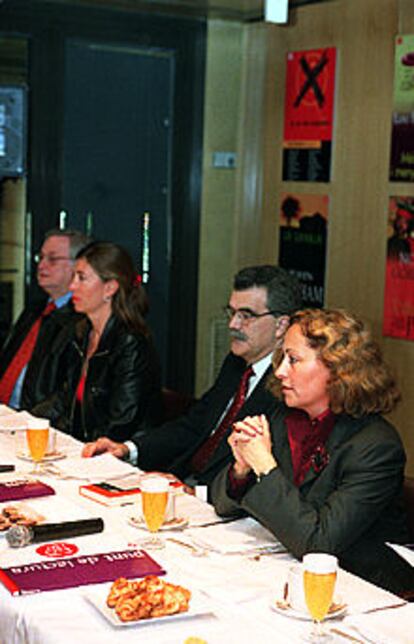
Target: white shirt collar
[[259, 367], [262, 365]]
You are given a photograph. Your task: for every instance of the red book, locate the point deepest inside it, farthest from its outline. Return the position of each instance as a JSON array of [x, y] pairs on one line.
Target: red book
[[120, 492], [108, 494]]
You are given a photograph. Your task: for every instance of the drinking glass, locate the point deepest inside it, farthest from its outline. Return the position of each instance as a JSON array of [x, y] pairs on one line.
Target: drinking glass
[[37, 434], [154, 496], [319, 577]]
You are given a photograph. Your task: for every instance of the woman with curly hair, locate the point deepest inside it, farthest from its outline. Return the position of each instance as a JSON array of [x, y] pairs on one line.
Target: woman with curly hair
[[326, 474]]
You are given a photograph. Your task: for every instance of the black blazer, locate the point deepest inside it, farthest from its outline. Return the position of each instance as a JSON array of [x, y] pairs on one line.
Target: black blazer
[[38, 382], [122, 387], [171, 446]]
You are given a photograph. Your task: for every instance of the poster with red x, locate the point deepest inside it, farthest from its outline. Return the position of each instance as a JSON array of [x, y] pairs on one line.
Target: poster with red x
[[309, 114]]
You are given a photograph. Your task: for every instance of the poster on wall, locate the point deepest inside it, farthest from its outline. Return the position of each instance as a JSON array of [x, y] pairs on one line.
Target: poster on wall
[[399, 271], [402, 135], [302, 246], [309, 114]]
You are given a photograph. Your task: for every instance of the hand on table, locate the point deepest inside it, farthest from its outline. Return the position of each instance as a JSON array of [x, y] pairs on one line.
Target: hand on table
[[103, 445]]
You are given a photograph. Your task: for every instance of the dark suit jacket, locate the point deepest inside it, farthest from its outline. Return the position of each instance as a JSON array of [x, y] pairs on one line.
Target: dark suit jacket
[[38, 383], [171, 446], [350, 509]]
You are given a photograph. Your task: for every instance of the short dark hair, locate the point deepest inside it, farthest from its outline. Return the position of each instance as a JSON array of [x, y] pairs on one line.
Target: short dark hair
[[283, 289], [77, 239]]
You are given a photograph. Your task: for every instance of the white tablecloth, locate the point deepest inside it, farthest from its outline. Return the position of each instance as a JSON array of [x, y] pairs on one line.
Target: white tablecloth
[[239, 590]]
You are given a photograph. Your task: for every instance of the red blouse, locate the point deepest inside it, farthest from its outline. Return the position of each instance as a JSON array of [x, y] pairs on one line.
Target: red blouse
[[80, 390]]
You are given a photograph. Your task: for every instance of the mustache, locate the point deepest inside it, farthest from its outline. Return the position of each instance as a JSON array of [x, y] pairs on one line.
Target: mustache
[[237, 335]]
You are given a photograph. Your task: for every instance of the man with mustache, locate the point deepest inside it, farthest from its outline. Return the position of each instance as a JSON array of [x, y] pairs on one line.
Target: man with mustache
[[22, 381], [194, 447]]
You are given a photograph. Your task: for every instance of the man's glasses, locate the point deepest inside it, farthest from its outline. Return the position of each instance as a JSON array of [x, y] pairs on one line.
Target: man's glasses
[[246, 315], [50, 259]]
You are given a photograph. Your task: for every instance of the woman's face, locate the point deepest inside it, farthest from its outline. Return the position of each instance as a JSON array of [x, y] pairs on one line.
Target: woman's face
[[303, 376], [89, 291]]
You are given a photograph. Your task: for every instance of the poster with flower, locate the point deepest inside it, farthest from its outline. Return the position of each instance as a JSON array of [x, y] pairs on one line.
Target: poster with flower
[[302, 247], [398, 321]]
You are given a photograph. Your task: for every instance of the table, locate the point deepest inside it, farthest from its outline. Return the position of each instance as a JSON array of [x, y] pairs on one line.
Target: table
[[239, 589]]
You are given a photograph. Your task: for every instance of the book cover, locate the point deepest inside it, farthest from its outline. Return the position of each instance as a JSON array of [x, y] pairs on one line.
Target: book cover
[[122, 492], [110, 494], [78, 571], [16, 489]]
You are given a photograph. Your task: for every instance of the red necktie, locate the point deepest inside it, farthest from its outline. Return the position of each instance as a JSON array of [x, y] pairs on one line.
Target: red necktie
[[22, 356], [207, 449]]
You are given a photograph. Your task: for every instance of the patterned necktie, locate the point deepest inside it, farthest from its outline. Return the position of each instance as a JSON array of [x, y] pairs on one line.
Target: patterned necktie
[[207, 449], [22, 356]]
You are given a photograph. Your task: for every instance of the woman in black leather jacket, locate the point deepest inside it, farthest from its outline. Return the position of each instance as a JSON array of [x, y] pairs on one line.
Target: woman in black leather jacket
[[110, 383]]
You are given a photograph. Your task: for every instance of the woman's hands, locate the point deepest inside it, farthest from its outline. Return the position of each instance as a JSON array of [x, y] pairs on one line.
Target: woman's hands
[[251, 444]]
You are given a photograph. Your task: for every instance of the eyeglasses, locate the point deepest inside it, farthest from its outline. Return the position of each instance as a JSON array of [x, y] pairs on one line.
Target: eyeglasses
[[50, 259], [245, 315]]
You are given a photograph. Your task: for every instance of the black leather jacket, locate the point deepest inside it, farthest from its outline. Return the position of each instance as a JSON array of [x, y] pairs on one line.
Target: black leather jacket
[[38, 382], [122, 389]]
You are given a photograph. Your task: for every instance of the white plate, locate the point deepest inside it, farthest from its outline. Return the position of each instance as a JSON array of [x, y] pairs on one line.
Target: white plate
[[179, 523], [199, 605], [48, 458], [279, 607]]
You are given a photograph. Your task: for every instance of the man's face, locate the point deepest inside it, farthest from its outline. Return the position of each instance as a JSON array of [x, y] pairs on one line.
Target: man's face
[[55, 269], [254, 338]]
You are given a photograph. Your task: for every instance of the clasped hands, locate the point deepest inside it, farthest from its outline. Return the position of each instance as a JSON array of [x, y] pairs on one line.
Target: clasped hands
[[251, 445]]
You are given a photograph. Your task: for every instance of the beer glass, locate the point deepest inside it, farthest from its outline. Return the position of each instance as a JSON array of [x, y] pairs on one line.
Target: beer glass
[[37, 435], [319, 577], [154, 496]]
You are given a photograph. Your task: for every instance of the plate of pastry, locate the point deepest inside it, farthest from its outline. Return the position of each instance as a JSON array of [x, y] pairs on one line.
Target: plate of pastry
[[129, 602]]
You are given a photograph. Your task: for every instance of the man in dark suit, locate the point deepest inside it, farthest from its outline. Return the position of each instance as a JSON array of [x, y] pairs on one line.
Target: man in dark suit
[[29, 340], [194, 447]]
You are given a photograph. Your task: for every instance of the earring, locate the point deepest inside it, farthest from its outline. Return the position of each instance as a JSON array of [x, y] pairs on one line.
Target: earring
[[107, 298]]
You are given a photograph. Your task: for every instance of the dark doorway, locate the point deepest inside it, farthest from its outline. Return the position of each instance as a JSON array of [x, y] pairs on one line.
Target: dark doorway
[[54, 30], [116, 158]]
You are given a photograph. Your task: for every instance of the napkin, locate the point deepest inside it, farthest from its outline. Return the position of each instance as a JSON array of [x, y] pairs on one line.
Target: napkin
[[383, 627], [97, 468], [14, 420], [238, 537]]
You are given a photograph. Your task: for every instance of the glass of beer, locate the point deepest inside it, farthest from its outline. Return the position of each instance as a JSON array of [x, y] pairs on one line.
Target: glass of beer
[[37, 434], [319, 577], [154, 497]]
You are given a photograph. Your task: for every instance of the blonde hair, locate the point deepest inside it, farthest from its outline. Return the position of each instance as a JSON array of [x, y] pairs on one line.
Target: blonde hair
[[360, 381]]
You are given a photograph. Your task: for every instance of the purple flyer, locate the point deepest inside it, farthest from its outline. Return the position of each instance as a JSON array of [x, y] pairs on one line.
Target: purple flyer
[[78, 571], [23, 488]]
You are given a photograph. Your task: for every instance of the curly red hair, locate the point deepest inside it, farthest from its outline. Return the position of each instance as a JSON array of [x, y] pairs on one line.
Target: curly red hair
[[360, 381]]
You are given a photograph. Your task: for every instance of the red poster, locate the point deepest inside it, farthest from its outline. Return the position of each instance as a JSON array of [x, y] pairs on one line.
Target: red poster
[[309, 100], [399, 274], [309, 114]]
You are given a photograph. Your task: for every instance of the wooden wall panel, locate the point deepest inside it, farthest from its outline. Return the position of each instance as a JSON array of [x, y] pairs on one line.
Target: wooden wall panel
[[364, 34]]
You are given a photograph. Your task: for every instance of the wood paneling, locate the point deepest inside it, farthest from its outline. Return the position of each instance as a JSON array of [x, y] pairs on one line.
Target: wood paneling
[[364, 34]]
